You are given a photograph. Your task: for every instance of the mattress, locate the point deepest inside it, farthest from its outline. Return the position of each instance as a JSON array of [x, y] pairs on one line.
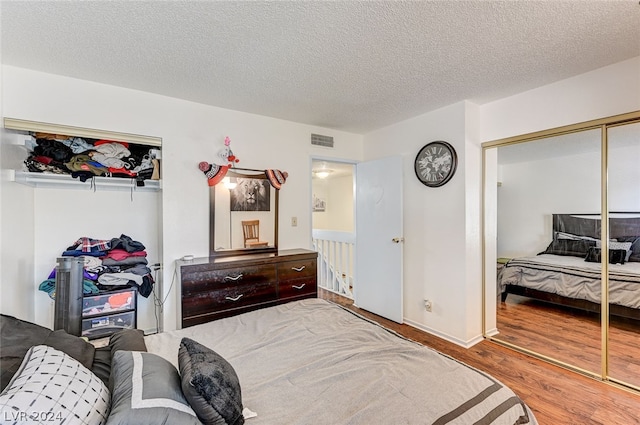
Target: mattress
[[573, 277], [315, 362]]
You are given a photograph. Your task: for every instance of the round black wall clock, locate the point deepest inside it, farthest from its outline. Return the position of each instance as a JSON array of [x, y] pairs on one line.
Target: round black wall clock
[[436, 163]]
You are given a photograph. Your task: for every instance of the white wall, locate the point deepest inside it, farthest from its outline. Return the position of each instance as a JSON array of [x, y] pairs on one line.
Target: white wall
[[190, 133], [64, 215], [605, 92], [624, 169], [338, 194], [436, 224], [16, 242], [532, 191], [320, 190], [473, 228]]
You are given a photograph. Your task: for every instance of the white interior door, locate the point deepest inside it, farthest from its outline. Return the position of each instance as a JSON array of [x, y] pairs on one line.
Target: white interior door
[[378, 259]]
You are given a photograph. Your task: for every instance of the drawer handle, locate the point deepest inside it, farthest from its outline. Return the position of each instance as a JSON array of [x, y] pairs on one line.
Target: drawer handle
[[234, 298], [298, 269], [233, 278], [299, 287]]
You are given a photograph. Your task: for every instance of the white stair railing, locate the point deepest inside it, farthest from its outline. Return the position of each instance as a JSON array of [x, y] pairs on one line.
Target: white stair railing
[[335, 260]]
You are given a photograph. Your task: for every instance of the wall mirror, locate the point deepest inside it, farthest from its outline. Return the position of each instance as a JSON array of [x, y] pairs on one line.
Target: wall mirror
[[243, 214]]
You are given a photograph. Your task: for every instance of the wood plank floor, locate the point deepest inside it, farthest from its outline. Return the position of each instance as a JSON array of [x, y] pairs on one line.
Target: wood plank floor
[[555, 395], [571, 336]]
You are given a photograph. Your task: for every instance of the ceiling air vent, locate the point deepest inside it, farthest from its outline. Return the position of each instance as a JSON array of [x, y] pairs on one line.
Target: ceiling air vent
[[320, 140]]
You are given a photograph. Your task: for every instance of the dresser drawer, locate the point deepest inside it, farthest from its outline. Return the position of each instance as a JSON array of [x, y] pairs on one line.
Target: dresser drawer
[[228, 298], [291, 270], [210, 280], [298, 288]]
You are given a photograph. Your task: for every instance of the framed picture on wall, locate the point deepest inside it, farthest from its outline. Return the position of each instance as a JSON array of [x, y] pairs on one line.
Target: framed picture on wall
[[319, 204], [251, 195]]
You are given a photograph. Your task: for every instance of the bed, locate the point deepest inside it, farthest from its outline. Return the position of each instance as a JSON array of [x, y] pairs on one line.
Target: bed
[[568, 272], [304, 362]]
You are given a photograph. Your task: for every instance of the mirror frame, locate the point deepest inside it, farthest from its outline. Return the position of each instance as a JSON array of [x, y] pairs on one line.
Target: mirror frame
[[246, 173]]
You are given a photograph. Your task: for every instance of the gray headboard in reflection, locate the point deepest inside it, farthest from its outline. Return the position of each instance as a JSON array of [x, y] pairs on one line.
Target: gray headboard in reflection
[[621, 224]]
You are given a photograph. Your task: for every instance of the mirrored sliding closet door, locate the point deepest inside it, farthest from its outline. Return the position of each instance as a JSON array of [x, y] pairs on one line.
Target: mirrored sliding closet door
[[540, 182], [624, 252], [562, 223]]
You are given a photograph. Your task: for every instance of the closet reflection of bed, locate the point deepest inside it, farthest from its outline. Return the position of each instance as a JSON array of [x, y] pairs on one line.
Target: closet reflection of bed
[[562, 275]]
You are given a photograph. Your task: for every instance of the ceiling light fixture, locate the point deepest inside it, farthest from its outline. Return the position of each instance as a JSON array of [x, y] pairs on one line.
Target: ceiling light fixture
[[323, 174]]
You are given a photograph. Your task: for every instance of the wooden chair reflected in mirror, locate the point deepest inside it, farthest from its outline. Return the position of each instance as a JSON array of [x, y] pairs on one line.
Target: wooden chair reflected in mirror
[[251, 232]]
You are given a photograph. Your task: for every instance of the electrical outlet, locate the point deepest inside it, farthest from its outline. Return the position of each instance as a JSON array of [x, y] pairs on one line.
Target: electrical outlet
[[428, 305], [294, 221]]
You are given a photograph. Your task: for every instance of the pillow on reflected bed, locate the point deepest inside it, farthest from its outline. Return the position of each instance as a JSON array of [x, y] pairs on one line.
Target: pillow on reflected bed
[[634, 254], [616, 256], [570, 247]]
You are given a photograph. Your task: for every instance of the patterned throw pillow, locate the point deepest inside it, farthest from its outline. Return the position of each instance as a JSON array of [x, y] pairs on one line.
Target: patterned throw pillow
[[52, 387]]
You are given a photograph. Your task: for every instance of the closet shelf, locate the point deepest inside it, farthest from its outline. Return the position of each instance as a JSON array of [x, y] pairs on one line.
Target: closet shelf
[[64, 181], [43, 127]]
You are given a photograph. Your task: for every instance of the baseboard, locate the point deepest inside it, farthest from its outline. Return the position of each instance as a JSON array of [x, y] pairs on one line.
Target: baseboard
[[493, 332], [466, 344]]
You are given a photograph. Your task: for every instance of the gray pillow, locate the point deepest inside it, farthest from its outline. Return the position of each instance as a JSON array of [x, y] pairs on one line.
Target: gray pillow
[[570, 247], [101, 366], [210, 384], [145, 389], [74, 346], [18, 336], [616, 256], [127, 340]]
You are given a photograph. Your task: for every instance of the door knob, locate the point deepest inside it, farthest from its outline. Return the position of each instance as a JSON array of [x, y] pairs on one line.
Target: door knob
[[397, 240]]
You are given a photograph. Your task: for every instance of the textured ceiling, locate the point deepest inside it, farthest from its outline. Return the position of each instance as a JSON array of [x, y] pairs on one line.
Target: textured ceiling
[[352, 66]]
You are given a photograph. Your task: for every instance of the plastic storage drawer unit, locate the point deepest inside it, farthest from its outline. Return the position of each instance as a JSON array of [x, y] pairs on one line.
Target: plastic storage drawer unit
[[109, 312], [111, 302], [100, 326]]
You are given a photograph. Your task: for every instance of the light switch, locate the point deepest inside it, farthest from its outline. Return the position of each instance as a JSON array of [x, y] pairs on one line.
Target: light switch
[[294, 221]]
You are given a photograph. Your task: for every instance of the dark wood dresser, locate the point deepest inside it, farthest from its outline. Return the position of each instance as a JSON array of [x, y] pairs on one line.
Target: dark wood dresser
[[217, 287]]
